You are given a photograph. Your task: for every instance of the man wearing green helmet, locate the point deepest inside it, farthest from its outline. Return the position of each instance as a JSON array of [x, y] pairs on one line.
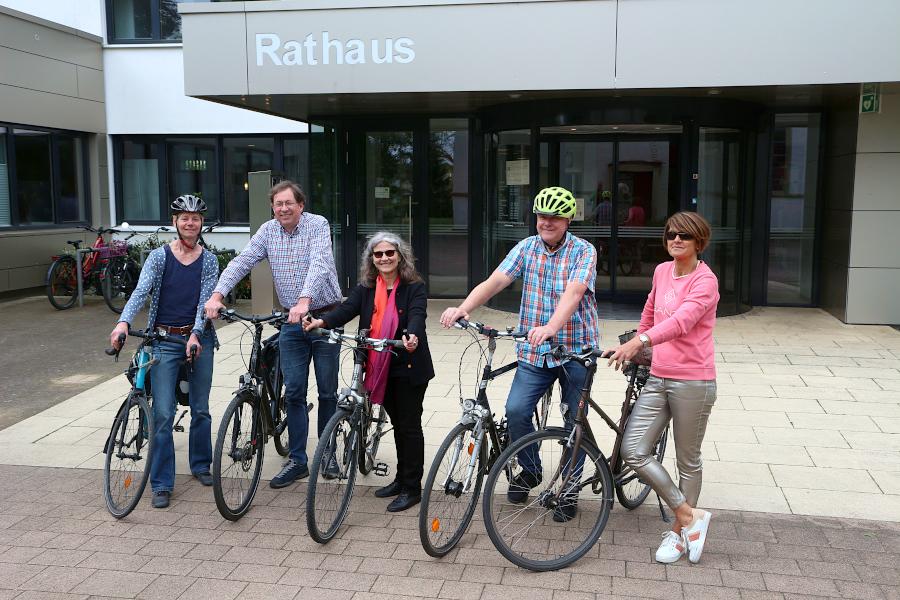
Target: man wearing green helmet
[[558, 271]]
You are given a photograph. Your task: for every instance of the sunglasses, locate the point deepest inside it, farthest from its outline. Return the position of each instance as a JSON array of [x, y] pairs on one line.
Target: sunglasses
[[380, 253], [685, 237]]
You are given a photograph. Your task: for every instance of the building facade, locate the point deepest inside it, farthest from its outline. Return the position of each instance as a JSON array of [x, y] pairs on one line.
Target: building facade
[[439, 120]]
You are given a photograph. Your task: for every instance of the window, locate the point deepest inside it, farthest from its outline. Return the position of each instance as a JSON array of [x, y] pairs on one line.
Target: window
[[192, 170], [150, 171], [145, 21], [792, 208], [43, 177], [140, 196], [242, 156], [5, 220], [448, 208]]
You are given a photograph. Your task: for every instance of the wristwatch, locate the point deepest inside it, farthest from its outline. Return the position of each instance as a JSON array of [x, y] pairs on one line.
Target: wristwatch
[[645, 340]]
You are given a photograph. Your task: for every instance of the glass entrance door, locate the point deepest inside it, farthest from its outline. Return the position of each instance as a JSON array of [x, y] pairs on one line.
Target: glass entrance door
[[384, 185]]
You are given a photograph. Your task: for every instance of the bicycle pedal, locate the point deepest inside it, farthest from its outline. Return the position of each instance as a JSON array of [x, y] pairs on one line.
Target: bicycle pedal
[[381, 469], [178, 428]]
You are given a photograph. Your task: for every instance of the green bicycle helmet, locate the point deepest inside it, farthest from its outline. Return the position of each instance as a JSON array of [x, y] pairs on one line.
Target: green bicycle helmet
[[554, 202]]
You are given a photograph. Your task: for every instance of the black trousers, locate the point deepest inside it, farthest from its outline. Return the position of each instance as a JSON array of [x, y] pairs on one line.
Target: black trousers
[[403, 403]]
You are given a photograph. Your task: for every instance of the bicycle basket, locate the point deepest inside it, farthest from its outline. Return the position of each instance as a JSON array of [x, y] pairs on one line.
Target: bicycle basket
[[115, 248], [644, 357]]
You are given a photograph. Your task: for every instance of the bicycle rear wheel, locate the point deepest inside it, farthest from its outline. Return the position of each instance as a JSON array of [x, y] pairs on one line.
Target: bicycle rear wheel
[[533, 531], [62, 283], [117, 284], [630, 490], [127, 465], [447, 506], [328, 500], [238, 456]]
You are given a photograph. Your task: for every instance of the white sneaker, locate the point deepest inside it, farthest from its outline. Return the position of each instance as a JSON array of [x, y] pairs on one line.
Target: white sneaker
[[695, 536], [671, 549]]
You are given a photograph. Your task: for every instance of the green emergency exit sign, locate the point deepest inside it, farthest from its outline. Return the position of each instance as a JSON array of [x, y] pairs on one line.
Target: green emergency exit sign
[[870, 98]]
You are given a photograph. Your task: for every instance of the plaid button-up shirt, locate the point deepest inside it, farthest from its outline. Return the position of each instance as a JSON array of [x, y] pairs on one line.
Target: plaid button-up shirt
[[302, 262], [545, 276]]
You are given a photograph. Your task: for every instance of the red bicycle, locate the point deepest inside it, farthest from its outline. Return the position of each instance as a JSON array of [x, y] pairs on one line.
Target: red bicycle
[[105, 262]]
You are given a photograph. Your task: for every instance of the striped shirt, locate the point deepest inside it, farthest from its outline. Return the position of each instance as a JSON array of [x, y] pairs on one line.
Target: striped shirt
[[302, 262], [545, 275]]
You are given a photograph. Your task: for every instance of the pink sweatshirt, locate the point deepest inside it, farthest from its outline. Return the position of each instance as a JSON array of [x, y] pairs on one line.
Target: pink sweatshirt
[[679, 317]]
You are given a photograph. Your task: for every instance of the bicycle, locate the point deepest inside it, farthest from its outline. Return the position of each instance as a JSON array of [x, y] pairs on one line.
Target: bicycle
[[255, 413], [466, 455], [562, 484], [130, 441], [350, 440], [105, 261]]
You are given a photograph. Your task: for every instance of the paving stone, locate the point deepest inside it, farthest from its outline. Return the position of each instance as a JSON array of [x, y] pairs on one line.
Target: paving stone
[[828, 570], [14, 575], [693, 574], [324, 594], [213, 569], [505, 592], [481, 574], [61, 558], [549, 579], [582, 582], [643, 588], [167, 565], [304, 577], [742, 579], [114, 583], [258, 573], [463, 590], [801, 585], [409, 586], [881, 575], [862, 591], [268, 591], [764, 564], [166, 587], [213, 589], [709, 592], [642, 570], [57, 579], [340, 581]]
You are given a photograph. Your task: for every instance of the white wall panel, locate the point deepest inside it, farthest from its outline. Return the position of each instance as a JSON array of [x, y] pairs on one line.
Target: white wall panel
[[702, 43], [145, 95], [84, 15]]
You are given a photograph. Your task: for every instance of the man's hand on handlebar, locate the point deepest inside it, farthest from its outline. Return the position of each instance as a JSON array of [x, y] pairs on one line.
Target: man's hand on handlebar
[[539, 335], [452, 315], [118, 335], [214, 306]]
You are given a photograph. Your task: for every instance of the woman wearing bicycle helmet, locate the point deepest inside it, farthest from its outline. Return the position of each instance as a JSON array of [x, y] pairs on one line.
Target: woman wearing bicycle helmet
[[178, 279], [390, 301], [677, 321]]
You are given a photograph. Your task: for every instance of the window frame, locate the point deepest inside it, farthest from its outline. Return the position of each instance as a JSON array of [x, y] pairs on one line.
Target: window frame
[[55, 134], [155, 27], [162, 142]]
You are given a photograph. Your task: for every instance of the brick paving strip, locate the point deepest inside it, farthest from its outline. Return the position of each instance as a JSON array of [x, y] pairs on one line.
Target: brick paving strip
[[58, 541]]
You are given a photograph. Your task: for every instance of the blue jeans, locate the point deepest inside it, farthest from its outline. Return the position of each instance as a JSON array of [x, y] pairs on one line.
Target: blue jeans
[[163, 379], [528, 385], [297, 350]]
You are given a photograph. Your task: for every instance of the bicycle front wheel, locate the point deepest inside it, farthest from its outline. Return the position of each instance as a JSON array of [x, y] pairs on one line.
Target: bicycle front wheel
[[328, 498], [554, 508], [118, 283], [238, 456], [127, 465], [630, 490], [279, 412], [451, 491], [62, 283]]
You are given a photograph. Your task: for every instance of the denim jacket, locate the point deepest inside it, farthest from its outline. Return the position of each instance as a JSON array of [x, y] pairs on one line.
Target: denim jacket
[[149, 284]]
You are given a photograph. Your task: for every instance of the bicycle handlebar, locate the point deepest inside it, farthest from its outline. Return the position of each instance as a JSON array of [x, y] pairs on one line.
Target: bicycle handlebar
[[229, 314], [490, 332], [337, 335], [560, 353]]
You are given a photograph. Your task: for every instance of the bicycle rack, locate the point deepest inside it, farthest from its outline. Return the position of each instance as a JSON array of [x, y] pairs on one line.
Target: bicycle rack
[[78, 275]]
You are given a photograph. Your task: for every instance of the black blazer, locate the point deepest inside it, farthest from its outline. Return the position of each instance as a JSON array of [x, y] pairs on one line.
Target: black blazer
[[412, 302]]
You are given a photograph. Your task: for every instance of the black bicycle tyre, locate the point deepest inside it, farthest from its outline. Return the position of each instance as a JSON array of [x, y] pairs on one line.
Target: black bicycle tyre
[[61, 263], [315, 532], [633, 501], [594, 454], [145, 417], [118, 284], [426, 519], [258, 446], [279, 413]]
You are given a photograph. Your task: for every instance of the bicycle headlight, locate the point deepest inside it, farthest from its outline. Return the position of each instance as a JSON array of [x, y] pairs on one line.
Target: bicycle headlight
[[468, 404]]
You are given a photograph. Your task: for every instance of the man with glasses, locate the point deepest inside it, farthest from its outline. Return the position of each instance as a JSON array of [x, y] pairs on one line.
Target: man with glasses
[[558, 271], [298, 246]]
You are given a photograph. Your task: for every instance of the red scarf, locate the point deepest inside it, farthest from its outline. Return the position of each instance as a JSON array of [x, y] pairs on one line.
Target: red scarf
[[385, 320]]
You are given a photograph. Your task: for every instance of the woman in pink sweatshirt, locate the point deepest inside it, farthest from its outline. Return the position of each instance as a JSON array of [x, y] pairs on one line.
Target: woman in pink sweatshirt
[[677, 321]]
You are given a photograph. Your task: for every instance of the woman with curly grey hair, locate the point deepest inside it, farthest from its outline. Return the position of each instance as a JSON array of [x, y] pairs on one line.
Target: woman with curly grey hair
[[390, 300]]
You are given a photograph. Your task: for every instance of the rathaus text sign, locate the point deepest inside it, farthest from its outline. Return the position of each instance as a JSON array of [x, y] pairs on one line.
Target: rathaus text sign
[[323, 48]]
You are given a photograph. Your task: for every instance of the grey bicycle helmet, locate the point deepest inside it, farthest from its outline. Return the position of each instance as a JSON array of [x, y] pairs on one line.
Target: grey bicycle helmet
[[188, 203]]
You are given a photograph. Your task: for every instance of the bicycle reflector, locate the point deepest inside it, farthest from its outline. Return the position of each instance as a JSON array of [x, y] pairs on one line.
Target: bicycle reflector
[[435, 525]]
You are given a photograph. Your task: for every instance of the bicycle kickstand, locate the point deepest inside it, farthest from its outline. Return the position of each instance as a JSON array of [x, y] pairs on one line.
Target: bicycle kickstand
[[662, 511], [178, 426]]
